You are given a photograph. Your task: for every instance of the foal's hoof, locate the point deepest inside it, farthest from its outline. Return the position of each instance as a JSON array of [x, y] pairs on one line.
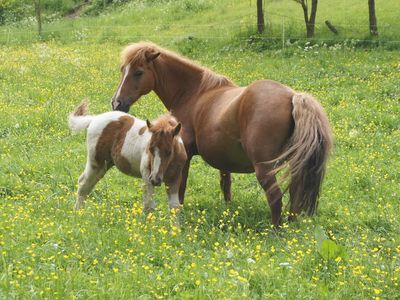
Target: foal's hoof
[[78, 206], [148, 210]]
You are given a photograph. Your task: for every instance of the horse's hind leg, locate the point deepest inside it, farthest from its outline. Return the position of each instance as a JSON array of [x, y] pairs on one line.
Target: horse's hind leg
[[87, 181], [272, 191], [294, 211], [225, 183]]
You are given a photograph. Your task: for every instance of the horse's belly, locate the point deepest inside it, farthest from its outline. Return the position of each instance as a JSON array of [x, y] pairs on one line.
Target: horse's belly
[[228, 157]]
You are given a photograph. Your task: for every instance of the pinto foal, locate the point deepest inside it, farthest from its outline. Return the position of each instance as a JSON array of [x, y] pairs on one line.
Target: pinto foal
[[153, 151]]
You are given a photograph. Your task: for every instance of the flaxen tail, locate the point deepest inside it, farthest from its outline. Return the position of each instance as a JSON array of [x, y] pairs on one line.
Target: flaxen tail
[[79, 120], [306, 153]]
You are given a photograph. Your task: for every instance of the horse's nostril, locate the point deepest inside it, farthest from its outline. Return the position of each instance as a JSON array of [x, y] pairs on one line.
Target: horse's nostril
[[115, 104]]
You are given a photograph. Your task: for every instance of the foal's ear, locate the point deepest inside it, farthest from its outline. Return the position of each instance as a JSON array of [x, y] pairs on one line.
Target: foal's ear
[[150, 56], [148, 124], [177, 129]]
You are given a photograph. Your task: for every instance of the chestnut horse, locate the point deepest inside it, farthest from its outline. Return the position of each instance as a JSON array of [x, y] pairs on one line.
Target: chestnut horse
[[153, 151], [260, 128]]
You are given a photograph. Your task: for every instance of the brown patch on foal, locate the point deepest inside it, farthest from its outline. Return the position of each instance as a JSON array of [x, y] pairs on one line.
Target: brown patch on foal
[[142, 130], [109, 145]]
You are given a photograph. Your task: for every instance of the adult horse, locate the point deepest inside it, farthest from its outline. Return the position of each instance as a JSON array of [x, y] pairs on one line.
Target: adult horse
[[259, 128]]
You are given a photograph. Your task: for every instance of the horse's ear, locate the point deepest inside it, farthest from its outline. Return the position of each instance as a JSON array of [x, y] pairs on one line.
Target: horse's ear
[[150, 56], [177, 129], [148, 124]]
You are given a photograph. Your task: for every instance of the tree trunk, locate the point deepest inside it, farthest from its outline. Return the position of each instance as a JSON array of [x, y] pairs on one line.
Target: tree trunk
[[260, 16], [38, 16], [310, 21], [373, 27]]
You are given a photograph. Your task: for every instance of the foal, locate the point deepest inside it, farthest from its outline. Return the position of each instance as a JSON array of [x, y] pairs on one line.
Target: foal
[[153, 151]]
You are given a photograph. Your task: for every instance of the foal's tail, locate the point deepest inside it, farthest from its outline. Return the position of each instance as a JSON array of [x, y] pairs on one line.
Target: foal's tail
[[78, 120], [306, 153]]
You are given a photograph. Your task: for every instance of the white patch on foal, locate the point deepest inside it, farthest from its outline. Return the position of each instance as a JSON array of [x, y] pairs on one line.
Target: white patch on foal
[[173, 200], [156, 162], [134, 147]]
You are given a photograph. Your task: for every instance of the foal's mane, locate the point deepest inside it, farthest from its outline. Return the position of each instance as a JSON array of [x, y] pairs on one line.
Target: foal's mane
[[163, 123], [136, 52]]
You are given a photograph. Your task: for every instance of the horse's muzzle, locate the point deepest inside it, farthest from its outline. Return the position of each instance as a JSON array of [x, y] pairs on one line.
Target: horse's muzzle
[[121, 104]]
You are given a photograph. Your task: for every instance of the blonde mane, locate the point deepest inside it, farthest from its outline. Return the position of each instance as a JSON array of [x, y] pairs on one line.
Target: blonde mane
[[136, 52], [164, 123]]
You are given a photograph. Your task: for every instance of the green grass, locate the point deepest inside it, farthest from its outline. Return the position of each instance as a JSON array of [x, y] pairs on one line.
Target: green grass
[[111, 251]]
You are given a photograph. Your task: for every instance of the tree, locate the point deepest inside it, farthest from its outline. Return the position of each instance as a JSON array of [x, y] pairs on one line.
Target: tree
[[309, 19], [260, 16], [373, 26]]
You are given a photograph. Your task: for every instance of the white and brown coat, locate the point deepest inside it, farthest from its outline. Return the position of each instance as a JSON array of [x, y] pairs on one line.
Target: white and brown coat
[[153, 151]]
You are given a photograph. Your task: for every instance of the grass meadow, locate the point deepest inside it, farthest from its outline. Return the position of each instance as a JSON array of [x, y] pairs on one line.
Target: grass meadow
[[110, 250]]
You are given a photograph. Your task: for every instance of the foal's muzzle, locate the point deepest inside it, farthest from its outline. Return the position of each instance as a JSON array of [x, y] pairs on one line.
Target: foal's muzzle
[[156, 181]]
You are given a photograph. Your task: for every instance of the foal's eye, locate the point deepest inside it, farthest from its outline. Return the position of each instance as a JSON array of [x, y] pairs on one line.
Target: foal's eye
[[138, 73], [168, 152]]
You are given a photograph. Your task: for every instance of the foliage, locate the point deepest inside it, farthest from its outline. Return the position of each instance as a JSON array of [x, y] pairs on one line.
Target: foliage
[[14, 10], [327, 248], [164, 20]]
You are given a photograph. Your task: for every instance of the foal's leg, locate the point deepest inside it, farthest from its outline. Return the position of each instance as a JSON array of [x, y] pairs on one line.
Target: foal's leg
[[225, 183], [173, 195], [272, 191], [185, 174], [148, 202], [87, 181]]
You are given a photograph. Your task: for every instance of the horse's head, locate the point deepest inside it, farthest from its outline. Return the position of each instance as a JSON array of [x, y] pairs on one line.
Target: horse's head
[[137, 75], [161, 147]]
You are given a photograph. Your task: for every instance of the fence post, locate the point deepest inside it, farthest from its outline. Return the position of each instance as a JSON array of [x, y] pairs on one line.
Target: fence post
[[8, 35], [283, 33]]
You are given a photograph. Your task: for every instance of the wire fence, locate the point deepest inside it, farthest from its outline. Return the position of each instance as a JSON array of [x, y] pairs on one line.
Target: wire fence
[[279, 27]]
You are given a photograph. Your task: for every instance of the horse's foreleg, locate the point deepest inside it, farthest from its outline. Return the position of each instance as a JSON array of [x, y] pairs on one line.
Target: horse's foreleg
[[185, 174], [87, 181], [225, 183], [272, 191]]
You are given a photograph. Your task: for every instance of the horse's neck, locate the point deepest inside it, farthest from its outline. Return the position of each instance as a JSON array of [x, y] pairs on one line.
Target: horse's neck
[[176, 83]]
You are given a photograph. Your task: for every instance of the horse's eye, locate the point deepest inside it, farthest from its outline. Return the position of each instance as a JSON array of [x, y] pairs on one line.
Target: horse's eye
[[138, 73], [168, 152]]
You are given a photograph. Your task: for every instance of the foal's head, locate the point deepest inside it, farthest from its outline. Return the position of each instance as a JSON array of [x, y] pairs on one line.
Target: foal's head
[[161, 149], [137, 75]]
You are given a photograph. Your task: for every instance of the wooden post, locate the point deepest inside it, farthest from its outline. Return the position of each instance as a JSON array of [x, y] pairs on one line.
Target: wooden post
[[373, 27], [331, 27], [260, 17], [38, 10]]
